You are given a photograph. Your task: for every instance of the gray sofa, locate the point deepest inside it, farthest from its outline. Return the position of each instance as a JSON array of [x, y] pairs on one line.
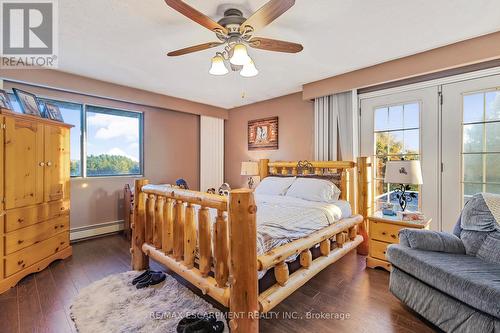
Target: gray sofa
[[453, 280]]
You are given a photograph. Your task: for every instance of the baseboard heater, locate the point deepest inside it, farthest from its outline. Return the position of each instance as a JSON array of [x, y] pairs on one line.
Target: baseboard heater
[[95, 230]]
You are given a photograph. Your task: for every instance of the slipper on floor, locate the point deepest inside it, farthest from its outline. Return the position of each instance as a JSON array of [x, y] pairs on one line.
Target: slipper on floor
[[154, 278]]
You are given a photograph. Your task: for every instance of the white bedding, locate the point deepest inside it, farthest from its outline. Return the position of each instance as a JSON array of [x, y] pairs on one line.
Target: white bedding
[[282, 219]]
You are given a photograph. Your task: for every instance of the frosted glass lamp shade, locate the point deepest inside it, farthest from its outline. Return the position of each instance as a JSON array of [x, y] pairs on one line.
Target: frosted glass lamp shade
[[249, 70], [249, 168], [403, 172], [240, 55], [218, 66]]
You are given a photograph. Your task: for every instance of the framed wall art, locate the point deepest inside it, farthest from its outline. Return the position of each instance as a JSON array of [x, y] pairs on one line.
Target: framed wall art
[[263, 134]]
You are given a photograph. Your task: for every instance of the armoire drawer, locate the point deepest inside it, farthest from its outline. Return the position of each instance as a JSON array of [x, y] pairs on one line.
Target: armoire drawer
[[26, 216], [22, 238], [58, 208], [23, 217], [22, 259]]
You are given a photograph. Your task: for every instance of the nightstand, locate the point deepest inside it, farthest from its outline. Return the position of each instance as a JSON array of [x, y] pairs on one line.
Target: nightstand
[[384, 230]]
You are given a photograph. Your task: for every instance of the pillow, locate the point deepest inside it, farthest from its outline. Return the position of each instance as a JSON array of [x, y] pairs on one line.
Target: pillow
[[274, 185], [314, 190]]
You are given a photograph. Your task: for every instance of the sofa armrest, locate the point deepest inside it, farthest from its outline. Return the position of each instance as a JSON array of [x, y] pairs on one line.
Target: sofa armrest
[[431, 241]]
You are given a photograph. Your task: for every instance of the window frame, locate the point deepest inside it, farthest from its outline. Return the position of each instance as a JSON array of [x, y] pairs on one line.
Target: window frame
[[83, 136]]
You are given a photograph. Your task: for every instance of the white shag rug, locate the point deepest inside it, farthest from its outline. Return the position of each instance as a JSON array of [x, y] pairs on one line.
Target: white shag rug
[[113, 304]]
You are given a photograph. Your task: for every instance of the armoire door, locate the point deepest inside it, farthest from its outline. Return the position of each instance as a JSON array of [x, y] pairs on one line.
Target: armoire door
[[471, 143], [57, 163], [24, 163], [403, 125]]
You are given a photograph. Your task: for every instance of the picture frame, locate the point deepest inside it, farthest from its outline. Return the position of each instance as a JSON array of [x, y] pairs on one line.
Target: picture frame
[[4, 100], [28, 102], [53, 112], [263, 134]]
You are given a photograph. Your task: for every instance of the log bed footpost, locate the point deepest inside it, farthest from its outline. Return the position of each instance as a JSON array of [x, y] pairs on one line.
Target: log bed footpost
[[281, 273], [306, 258], [243, 301], [139, 260], [364, 200]]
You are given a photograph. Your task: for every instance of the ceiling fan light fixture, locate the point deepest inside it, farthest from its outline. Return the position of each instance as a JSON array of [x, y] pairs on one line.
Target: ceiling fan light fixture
[[240, 55], [249, 70], [218, 66]]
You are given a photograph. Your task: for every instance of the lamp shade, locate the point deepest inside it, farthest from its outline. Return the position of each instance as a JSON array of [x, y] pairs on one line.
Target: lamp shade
[[249, 70], [218, 66], [249, 168], [240, 55], [403, 172]]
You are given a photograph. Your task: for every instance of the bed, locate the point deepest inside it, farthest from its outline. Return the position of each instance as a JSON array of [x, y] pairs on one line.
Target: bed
[[224, 245]]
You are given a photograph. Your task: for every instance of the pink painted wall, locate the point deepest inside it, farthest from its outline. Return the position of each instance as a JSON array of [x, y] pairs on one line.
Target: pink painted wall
[[296, 134]]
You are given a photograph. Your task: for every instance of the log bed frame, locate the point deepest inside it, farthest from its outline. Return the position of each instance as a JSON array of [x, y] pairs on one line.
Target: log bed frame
[[164, 229]]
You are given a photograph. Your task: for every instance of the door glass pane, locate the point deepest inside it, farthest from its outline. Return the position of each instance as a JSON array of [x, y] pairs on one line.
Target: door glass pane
[[471, 189], [411, 116], [493, 137], [381, 122], [473, 168], [395, 142], [395, 120], [473, 138], [493, 188], [473, 108], [493, 168], [411, 141], [493, 105]]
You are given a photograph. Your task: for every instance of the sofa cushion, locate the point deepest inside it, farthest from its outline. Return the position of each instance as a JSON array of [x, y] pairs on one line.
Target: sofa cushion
[[466, 278], [490, 250]]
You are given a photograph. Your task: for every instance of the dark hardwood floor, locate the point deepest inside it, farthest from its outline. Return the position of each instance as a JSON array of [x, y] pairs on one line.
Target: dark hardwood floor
[[40, 302]]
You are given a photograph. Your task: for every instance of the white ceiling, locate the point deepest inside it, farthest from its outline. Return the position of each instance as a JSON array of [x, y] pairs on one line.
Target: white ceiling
[[125, 42]]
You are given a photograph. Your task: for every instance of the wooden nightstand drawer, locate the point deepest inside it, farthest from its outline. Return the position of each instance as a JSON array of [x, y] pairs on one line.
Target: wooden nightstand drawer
[[378, 249], [384, 232], [23, 217]]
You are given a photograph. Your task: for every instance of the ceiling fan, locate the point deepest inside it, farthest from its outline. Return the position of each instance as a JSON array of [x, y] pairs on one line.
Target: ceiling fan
[[235, 33]]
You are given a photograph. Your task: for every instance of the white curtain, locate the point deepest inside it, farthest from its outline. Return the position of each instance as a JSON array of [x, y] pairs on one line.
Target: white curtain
[[211, 152], [335, 127], [325, 129]]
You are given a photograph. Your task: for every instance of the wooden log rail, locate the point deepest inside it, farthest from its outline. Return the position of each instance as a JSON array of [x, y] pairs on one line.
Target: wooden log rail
[[167, 230]]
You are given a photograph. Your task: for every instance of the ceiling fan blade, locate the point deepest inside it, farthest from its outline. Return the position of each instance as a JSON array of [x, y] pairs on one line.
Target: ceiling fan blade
[[195, 15], [192, 49], [267, 13], [275, 45]]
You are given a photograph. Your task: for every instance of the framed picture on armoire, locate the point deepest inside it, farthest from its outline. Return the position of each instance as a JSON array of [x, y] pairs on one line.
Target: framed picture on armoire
[[263, 134]]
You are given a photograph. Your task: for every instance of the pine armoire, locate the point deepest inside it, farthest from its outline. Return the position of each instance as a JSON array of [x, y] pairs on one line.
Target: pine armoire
[[35, 193]]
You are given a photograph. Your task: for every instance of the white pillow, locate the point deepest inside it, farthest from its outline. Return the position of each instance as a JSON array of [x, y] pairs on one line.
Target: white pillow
[[274, 185], [314, 189]]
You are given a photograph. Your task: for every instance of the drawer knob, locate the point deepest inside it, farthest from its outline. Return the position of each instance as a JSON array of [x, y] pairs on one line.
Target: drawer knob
[[20, 220], [62, 208], [20, 241], [41, 164], [49, 163], [20, 262], [384, 233], [393, 236], [62, 243], [56, 226]]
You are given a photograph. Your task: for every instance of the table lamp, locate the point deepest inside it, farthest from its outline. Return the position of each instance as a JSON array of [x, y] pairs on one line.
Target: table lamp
[[250, 169], [404, 173]]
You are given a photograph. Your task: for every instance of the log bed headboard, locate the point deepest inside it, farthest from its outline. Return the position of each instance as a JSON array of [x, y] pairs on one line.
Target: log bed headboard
[[345, 170]]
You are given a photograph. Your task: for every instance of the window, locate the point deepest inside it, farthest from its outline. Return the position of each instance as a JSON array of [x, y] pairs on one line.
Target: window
[[113, 142], [397, 136], [481, 143]]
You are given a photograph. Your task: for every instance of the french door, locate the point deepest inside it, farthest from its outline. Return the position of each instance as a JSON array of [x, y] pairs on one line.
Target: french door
[[470, 143], [399, 126]]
